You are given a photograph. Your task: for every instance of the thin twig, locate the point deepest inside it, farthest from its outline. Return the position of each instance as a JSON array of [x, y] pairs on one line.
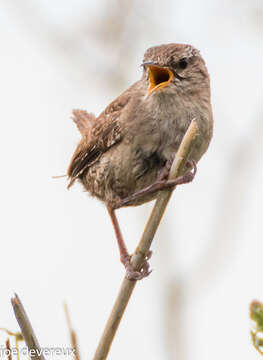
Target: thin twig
[[72, 333], [9, 350], [26, 329], [143, 247]]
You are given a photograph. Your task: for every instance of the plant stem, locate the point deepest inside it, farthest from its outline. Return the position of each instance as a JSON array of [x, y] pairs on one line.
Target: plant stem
[[26, 329], [72, 333]]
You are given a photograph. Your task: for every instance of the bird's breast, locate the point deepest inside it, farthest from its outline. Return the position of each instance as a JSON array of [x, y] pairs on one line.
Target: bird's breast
[[171, 115]]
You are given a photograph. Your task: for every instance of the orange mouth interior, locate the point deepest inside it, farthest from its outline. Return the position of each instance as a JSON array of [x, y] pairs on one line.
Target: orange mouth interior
[[159, 77]]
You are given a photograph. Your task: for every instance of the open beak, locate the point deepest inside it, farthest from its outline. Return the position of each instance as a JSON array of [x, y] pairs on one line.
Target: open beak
[[159, 77]]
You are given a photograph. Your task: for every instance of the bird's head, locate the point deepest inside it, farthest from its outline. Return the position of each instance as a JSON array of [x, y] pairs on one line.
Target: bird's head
[[174, 67]]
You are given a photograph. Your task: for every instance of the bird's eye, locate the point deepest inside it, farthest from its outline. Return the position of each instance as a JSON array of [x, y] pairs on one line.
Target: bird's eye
[[182, 63]]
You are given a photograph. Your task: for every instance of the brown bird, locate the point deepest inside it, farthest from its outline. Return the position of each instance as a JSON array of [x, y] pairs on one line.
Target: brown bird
[[125, 154]]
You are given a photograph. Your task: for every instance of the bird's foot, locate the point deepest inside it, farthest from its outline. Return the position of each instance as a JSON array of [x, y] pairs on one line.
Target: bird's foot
[[189, 176], [160, 184], [131, 273]]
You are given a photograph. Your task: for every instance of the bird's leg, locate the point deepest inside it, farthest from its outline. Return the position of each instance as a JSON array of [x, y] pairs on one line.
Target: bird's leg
[[125, 257], [161, 184]]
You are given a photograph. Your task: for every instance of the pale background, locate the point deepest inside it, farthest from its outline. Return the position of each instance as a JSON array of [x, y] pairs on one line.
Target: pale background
[[59, 245]]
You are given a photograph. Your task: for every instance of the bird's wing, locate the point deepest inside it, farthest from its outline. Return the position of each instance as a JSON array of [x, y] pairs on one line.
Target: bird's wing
[[98, 135]]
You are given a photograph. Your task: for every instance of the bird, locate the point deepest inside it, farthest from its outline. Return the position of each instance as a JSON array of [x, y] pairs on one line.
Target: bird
[[125, 154]]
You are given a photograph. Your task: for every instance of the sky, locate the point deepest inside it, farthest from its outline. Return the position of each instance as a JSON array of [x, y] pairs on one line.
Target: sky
[[59, 245]]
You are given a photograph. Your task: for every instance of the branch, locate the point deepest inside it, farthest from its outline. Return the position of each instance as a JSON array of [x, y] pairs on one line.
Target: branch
[[143, 247], [26, 329]]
